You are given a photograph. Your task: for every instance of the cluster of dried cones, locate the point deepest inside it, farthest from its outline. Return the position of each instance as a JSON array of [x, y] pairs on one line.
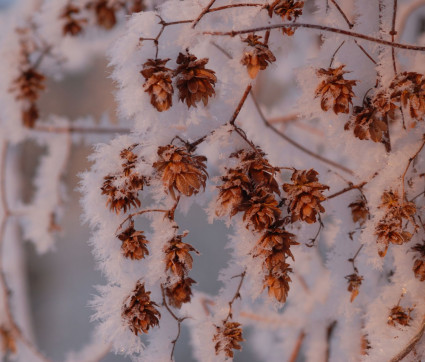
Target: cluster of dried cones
[[251, 188], [390, 228], [194, 82], [105, 12]]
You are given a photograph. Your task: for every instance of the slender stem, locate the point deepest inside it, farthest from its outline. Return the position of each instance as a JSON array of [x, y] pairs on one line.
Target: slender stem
[[334, 54], [218, 8], [329, 335], [318, 27], [353, 259], [350, 25], [393, 33], [297, 348], [236, 296], [349, 188], [295, 144], [71, 129], [140, 212], [365, 52], [204, 11], [408, 165]]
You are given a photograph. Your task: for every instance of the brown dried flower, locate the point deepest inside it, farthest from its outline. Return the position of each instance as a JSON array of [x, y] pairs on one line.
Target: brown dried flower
[[359, 211], [180, 170], [409, 89], [287, 9], [29, 84], [305, 196], [133, 243], [335, 91], [180, 292], [256, 57], [140, 313], [228, 338], [262, 211], [177, 256], [105, 13], [419, 265], [124, 196], [278, 284], [8, 342], [399, 315], [276, 238], [354, 282], [194, 82], [137, 6], [72, 26], [158, 83]]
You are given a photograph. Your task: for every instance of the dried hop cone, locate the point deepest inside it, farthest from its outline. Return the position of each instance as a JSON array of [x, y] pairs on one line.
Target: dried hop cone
[[105, 13], [336, 92], [399, 315], [354, 283], [409, 89], [287, 9], [133, 243], [180, 170], [257, 56], [158, 83], [419, 264], [277, 282], [276, 238], [228, 338], [177, 256], [359, 211], [8, 341], [389, 230], [72, 25], [140, 313], [29, 84], [180, 292], [194, 82], [305, 196]]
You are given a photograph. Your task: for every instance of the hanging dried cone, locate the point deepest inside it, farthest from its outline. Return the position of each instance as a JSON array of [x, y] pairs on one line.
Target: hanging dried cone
[[180, 292], [194, 82], [177, 256], [133, 243], [140, 313], [228, 338], [336, 92], [72, 25], [7, 341], [409, 89], [389, 230], [105, 13], [257, 56], [137, 6], [277, 238], [278, 284], [29, 84], [359, 211], [354, 283], [180, 170], [399, 315], [419, 265], [287, 9], [262, 211], [158, 83], [305, 196]]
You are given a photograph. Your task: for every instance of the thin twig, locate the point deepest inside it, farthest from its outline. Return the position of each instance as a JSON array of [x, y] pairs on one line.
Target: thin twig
[[204, 11], [353, 259], [297, 348], [318, 27], [393, 33], [408, 165], [295, 144], [349, 188], [140, 212], [350, 25], [336, 51], [71, 129], [236, 296]]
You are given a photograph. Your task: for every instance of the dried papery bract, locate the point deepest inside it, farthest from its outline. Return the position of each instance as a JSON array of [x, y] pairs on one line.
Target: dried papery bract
[[354, 282], [390, 228], [158, 83], [139, 312], [8, 342], [73, 23], [257, 56], [286, 9], [305, 196], [399, 316], [409, 89], [105, 12], [194, 82], [134, 243], [122, 188], [359, 211], [181, 170], [180, 292], [336, 93], [228, 338], [419, 261]]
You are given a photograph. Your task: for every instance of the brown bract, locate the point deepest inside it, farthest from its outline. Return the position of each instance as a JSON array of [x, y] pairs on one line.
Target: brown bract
[[359, 211], [73, 25], [8, 342], [180, 292], [278, 284], [228, 338], [105, 13], [177, 256], [194, 82], [336, 92], [409, 89], [261, 212], [180, 170], [140, 313], [419, 264], [354, 283], [399, 315], [257, 56], [287, 9], [133, 243], [158, 83], [305, 195]]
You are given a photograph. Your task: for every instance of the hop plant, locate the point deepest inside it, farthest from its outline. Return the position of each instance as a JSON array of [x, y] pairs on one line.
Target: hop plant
[[257, 56]]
